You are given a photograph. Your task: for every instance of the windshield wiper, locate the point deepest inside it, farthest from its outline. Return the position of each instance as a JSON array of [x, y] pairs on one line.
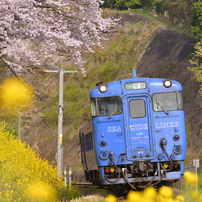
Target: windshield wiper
[[114, 111], [162, 108]]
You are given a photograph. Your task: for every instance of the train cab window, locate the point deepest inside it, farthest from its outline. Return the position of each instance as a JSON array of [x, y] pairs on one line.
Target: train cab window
[[106, 106], [137, 108], [167, 101]]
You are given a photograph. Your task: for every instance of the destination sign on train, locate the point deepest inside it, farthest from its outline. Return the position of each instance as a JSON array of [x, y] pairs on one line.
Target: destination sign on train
[[135, 85]]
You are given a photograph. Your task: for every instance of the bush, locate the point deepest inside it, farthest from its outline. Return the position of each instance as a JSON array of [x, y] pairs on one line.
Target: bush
[[26, 177]]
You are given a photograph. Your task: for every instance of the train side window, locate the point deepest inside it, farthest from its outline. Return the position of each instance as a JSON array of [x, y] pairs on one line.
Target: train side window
[[93, 106], [89, 141], [137, 108], [180, 100], [86, 142]]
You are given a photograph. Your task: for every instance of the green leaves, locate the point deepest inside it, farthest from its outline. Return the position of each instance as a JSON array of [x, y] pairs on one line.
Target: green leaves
[[197, 19], [125, 4], [196, 64]]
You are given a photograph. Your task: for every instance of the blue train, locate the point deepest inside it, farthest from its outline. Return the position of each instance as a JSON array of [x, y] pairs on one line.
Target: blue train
[[137, 135]]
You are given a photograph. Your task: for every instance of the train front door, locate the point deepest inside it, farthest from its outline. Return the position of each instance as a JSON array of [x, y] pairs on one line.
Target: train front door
[[139, 140]]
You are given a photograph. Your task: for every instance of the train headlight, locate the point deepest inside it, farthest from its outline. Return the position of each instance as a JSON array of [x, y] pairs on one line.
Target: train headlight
[[103, 88], [177, 149], [167, 83], [104, 155]]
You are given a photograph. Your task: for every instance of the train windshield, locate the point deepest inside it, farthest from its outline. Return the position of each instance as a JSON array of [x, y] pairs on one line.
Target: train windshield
[[167, 101], [106, 106]]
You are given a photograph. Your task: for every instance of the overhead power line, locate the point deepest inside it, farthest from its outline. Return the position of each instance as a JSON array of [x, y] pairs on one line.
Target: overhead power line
[[14, 73]]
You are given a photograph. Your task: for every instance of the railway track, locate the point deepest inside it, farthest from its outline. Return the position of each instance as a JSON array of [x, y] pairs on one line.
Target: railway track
[[85, 185]]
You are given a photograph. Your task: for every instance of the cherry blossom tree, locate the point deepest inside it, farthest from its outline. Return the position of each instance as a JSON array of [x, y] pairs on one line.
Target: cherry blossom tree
[[64, 27]]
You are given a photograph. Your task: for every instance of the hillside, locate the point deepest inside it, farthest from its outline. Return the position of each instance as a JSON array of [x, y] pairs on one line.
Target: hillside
[[140, 43]]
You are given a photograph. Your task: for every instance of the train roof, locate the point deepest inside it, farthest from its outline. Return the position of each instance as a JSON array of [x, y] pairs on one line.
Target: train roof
[[135, 85]]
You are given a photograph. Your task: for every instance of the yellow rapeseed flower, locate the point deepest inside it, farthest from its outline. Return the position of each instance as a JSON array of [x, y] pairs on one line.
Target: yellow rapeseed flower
[[180, 198], [149, 193], [160, 198], [190, 178], [199, 198], [15, 95], [194, 194], [21, 166], [110, 198], [166, 192], [134, 196], [40, 191]]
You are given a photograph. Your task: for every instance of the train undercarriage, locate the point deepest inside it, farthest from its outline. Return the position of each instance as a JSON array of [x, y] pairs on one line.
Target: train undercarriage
[[137, 175]]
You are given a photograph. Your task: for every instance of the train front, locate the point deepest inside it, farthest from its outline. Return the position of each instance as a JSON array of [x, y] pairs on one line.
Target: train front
[[139, 131]]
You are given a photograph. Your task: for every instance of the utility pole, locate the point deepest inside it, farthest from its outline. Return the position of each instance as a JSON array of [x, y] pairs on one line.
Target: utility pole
[[59, 155]]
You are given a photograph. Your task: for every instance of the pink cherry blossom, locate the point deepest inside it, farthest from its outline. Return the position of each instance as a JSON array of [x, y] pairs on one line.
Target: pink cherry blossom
[[63, 27]]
